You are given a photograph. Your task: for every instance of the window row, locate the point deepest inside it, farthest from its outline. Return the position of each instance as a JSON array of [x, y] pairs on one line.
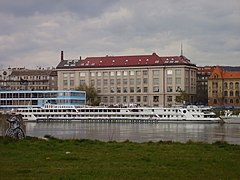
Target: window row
[[227, 101], [231, 93], [231, 85]]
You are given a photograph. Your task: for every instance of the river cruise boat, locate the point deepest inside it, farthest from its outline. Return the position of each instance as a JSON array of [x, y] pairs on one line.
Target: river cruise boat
[[50, 112], [230, 118]]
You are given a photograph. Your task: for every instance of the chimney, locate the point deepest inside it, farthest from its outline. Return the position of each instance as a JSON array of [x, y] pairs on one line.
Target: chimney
[[62, 56], [80, 58]]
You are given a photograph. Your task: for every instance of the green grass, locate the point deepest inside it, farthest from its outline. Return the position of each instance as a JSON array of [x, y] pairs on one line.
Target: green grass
[[40, 159]]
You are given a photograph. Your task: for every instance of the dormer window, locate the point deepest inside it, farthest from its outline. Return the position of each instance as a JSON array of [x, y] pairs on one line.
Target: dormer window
[[215, 76]]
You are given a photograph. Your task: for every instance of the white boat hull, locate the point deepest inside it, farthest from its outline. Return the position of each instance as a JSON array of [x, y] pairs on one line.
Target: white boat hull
[[52, 113]]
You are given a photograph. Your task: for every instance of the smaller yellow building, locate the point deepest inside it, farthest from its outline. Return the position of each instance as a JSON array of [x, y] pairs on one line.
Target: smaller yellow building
[[223, 87]]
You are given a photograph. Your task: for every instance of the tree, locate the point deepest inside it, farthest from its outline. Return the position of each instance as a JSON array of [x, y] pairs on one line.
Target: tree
[[182, 98], [91, 94]]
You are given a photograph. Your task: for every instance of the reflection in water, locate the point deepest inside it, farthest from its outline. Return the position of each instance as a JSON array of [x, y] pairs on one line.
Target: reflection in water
[[180, 132]]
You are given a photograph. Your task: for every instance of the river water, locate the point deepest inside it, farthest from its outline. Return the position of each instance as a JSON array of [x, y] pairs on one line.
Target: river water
[[178, 132]]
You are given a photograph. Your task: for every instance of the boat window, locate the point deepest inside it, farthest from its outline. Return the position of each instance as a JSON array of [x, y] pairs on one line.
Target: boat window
[[184, 111]]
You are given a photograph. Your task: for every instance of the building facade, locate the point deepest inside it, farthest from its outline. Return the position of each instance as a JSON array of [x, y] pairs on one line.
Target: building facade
[[203, 73], [223, 87], [24, 99], [28, 79], [147, 80]]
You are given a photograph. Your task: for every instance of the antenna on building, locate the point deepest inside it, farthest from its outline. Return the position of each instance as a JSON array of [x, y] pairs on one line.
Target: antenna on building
[[181, 49]]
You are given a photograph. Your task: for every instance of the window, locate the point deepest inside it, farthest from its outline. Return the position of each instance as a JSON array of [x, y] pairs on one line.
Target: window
[[131, 99], [105, 74], [99, 74], [145, 80], [225, 85], [231, 93], [71, 82], [118, 81], [112, 81], [124, 81], [105, 82], [125, 89], [92, 82], [225, 100], [237, 85], [65, 75], [125, 73], [155, 88], [65, 82], [82, 74], [98, 82], [155, 98], [155, 81], [155, 72], [231, 85], [178, 89], [138, 89], [215, 101], [105, 90], [125, 99], [138, 73], [231, 101], [145, 98], [178, 80], [169, 72], [169, 89], [118, 90], [131, 81], [138, 98], [131, 89], [119, 73], [112, 73], [72, 75], [169, 98], [145, 89], [225, 93], [169, 80], [138, 81], [112, 90], [82, 81], [118, 99], [145, 73], [92, 74], [131, 73], [237, 93], [178, 72]]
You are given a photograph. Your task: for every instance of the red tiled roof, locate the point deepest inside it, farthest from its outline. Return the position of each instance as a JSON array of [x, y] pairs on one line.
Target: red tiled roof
[[138, 60], [225, 74], [205, 69]]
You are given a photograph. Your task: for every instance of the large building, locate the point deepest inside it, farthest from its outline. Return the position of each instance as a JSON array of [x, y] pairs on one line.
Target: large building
[[147, 80], [223, 87], [203, 73], [28, 79], [24, 99]]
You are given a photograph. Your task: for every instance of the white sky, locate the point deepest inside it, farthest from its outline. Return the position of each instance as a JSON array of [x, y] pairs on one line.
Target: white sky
[[33, 32]]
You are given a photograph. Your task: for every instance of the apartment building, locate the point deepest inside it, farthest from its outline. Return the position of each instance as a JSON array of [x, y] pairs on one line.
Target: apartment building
[[223, 87], [28, 79], [203, 73], [147, 80]]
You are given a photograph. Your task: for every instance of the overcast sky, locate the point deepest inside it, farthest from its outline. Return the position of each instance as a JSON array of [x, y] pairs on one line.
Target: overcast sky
[[33, 32]]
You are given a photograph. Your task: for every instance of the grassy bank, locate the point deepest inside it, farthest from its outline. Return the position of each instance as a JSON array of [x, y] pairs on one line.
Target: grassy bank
[[85, 159]]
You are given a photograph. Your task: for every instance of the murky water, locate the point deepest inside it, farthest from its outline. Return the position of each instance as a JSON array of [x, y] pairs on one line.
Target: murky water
[[180, 132]]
